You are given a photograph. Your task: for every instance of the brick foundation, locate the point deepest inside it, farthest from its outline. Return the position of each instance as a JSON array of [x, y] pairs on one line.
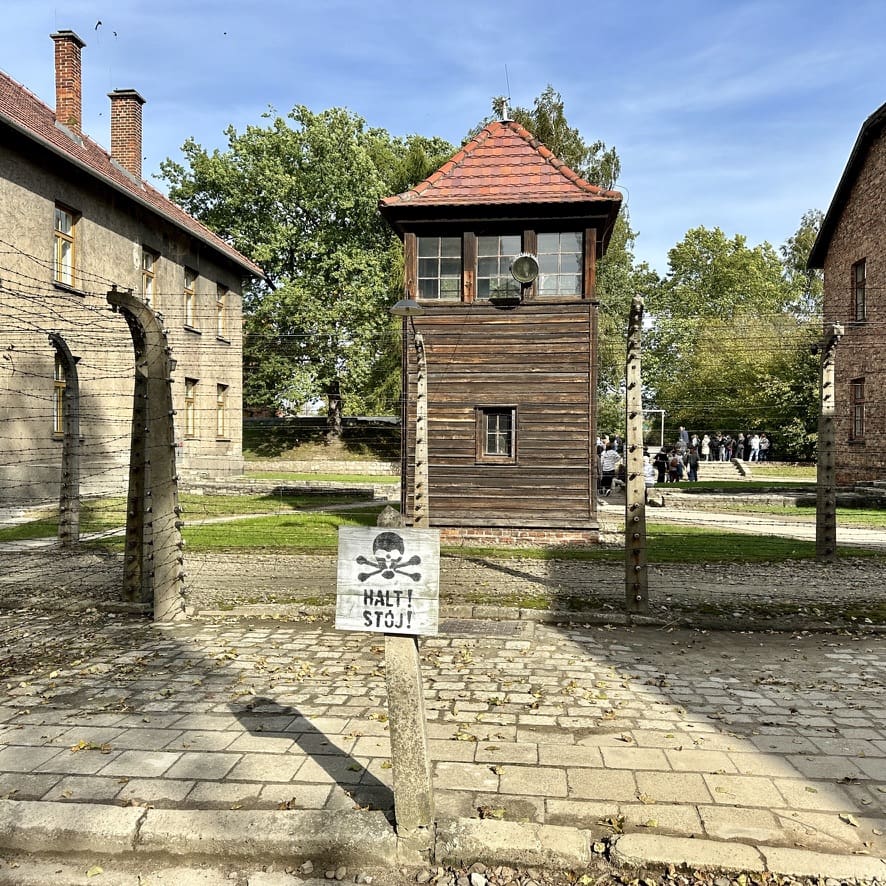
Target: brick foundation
[[525, 538]]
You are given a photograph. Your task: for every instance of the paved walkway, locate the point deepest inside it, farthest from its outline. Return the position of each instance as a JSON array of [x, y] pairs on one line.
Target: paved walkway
[[771, 740]]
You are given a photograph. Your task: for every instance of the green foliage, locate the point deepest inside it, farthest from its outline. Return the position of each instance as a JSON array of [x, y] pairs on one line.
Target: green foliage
[[728, 349], [806, 283], [546, 120], [299, 196]]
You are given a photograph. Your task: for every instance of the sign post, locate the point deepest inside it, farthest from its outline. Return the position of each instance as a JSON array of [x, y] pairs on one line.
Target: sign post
[[389, 582]]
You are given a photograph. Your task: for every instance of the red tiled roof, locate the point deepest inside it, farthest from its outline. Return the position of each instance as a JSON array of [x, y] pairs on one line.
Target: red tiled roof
[[504, 164], [22, 110]]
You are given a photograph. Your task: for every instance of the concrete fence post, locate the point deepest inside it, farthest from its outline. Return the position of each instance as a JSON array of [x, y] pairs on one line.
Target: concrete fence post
[[636, 573], [69, 489], [153, 571], [826, 489]]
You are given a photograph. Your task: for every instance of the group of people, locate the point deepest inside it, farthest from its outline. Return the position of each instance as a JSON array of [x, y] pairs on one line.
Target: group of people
[[724, 447], [681, 461]]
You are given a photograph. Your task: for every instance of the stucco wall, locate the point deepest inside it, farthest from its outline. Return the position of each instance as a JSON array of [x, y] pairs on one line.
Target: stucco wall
[[110, 233]]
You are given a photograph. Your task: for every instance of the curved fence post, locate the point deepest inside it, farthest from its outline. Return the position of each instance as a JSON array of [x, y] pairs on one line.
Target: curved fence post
[[69, 492], [153, 572]]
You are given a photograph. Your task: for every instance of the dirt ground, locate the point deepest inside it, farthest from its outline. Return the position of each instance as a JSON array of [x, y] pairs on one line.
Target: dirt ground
[[805, 594]]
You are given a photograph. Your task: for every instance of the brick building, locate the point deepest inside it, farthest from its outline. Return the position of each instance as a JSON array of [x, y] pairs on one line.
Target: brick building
[[75, 222], [851, 249]]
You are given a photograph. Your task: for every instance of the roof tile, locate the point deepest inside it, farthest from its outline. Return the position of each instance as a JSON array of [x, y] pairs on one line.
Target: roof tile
[[503, 164]]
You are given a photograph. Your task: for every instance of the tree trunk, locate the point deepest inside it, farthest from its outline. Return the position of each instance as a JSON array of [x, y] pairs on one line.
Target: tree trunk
[[334, 413]]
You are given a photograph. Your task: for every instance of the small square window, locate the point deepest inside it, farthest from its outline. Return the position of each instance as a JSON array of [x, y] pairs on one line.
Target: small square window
[[496, 434]]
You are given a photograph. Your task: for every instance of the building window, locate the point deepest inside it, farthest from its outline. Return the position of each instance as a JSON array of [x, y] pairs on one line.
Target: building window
[[497, 434], [221, 312], [190, 407], [439, 268], [559, 263], [494, 257], [859, 303], [221, 410], [149, 273], [190, 296], [63, 258], [856, 403], [60, 385]]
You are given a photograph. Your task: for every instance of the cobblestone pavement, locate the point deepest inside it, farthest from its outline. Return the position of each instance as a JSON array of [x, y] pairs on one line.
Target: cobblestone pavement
[[768, 738]]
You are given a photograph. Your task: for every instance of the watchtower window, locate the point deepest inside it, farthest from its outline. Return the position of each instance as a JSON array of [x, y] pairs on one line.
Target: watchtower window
[[494, 257], [439, 268], [497, 434], [559, 263]]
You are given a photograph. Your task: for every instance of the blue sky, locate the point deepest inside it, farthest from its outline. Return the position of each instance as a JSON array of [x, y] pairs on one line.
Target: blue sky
[[732, 114]]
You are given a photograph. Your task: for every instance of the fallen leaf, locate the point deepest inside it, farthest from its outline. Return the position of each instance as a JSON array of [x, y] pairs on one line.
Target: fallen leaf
[[95, 870], [848, 819]]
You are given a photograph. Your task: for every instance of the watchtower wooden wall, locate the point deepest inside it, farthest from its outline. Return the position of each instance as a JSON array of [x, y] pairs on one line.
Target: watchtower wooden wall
[[538, 358]]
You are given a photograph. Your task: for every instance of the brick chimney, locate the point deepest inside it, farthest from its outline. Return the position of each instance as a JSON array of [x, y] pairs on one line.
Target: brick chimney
[[68, 87], [126, 130]]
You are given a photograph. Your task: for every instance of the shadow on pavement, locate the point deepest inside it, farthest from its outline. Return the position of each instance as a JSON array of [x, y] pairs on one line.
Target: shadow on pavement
[[346, 771]]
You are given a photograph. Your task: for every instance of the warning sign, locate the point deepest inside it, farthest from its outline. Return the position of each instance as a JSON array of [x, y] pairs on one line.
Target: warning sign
[[388, 580]]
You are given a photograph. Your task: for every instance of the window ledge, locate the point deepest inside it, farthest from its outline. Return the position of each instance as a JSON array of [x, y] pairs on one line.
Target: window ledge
[[223, 340], [65, 287], [222, 439], [193, 329], [857, 442]]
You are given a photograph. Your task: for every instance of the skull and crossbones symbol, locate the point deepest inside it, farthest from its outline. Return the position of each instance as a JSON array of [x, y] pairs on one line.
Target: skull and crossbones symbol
[[388, 552]]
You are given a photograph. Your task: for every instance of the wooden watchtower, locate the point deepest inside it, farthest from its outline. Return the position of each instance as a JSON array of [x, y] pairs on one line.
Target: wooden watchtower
[[511, 363]]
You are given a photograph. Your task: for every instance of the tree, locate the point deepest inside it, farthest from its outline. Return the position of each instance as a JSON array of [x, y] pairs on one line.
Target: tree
[[807, 283], [299, 196], [728, 350]]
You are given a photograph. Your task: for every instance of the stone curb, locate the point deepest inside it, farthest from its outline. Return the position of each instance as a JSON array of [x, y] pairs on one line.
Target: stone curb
[[640, 850], [556, 616], [367, 839]]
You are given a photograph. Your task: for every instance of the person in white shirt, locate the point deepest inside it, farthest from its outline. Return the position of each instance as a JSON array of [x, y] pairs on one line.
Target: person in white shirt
[[609, 462]]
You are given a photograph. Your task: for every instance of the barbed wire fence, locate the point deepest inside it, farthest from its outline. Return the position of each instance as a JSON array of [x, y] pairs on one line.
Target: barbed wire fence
[[30, 460]]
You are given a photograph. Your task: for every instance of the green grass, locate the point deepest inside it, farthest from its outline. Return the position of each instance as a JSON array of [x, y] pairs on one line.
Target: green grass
[[669, 543], [736, 486], [295, 533], [865, 518], [782, 469], [110, 513], [322, 478], [197, 506]]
